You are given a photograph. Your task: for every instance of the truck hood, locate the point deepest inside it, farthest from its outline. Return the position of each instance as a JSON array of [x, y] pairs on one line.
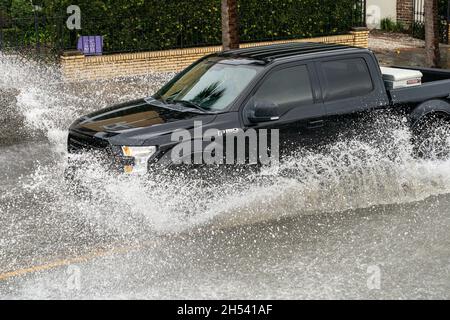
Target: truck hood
[[139, 120]]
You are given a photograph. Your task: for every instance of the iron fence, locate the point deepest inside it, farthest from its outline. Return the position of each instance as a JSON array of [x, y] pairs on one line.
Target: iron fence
[[418, 27], [293, 19], [38, 35], [42, 35]]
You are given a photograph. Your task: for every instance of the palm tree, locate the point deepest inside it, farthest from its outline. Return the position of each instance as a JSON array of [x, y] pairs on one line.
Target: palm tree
[[230, 26], [432, 33]]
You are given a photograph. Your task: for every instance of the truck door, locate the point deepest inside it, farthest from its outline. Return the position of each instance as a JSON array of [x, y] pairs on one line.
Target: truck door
[[349, 91], [293, 89]]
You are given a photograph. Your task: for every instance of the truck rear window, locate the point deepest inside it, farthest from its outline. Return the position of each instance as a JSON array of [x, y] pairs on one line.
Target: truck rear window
[[346, 78]]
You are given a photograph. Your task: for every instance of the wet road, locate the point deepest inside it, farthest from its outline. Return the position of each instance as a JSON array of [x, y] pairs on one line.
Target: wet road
[[362, 221]]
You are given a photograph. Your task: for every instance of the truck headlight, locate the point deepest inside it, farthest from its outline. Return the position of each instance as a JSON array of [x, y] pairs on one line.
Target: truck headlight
[[140, 156]]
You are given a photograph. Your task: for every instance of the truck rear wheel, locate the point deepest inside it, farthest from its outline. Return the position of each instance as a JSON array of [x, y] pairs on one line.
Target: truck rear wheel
[[432, 138]]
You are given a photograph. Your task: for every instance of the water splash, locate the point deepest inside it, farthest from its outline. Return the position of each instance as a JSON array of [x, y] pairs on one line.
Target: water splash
[[44, 218], [349, 174]]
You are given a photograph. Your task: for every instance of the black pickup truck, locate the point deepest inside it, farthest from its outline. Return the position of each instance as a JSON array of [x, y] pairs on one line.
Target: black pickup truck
[[309, 92]]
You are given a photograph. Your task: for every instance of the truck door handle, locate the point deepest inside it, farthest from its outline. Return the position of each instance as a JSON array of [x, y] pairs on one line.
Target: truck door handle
[[316, 124]]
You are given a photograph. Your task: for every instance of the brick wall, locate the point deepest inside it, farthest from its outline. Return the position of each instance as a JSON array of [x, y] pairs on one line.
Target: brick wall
[[76, 67], [405, 12]]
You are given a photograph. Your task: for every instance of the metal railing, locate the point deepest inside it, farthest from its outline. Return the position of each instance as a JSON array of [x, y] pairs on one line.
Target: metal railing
[[38, 35], [294, 20], [41, 35], [418, 27]]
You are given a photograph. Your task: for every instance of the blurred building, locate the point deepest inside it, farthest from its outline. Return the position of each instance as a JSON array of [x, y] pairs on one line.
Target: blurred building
[[380, 9]]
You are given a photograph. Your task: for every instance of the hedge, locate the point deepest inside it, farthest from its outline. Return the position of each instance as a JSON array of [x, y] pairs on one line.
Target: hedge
[[134, 25]]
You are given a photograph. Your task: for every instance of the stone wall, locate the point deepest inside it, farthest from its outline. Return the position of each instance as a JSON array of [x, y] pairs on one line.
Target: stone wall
[[77, 67]]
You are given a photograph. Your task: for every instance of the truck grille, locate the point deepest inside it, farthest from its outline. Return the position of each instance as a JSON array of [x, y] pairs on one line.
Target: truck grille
[[78, 143]]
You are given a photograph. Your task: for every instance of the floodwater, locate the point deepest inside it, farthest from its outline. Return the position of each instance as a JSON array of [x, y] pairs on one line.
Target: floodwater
[[363, 220]]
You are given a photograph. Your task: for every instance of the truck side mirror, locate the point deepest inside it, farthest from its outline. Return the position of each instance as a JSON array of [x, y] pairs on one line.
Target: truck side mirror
[[262, 111]]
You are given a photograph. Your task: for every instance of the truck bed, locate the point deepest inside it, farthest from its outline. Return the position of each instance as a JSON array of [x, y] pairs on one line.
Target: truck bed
[[435, 85]]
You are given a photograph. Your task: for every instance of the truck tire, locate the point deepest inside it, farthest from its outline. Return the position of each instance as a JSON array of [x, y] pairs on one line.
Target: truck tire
[[432, 137]]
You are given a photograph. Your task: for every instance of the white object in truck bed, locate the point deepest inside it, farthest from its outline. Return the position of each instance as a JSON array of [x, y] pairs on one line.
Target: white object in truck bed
[[400, 78]]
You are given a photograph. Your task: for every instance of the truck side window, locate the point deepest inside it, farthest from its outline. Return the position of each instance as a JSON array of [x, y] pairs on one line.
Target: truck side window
[[346, 78], [288, 88]]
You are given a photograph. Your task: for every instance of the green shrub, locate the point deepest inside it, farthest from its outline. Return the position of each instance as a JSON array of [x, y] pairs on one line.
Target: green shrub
[[133, 25], [387, 24]]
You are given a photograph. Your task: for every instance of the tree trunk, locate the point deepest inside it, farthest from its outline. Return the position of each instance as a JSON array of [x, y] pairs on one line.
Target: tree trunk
[[230, 26], [432, 37]]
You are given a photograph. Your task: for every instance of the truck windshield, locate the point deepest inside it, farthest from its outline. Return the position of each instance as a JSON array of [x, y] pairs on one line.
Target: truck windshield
[[212, 84]]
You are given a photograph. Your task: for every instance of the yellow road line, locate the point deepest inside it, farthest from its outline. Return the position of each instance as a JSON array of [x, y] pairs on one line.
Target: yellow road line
[[63, 262]]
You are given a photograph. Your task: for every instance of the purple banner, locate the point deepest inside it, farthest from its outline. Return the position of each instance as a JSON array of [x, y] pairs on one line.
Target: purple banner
[[90, 45]]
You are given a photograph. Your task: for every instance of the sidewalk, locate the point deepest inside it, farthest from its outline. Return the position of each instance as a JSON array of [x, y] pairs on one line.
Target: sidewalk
[[402, 49]]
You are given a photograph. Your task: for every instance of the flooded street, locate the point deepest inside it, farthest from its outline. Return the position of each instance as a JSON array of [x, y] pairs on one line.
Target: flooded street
[[342, 216]]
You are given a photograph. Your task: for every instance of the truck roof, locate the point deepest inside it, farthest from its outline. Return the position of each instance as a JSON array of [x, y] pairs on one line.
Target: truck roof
[[278, 51]]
